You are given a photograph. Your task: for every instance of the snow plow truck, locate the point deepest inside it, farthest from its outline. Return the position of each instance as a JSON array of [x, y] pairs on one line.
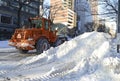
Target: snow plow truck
[[38, 34]]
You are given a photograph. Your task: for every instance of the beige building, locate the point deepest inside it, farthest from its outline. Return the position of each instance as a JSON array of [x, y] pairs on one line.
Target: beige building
[[69, 4], [62, 12], [94, 9]]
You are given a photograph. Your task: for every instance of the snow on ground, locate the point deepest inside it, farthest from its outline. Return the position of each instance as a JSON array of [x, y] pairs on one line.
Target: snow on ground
[[4, 44], [4, 47], [89, 57]]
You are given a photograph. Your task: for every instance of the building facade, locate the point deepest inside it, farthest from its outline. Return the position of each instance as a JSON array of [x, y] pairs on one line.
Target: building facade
[[62, 12], [9, 14], [94, 9]]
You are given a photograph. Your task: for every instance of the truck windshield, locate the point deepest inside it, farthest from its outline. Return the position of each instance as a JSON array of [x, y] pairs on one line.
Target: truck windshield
[[37, 23]]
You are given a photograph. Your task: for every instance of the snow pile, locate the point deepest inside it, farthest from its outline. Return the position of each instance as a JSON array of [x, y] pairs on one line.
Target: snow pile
[[85, 58]]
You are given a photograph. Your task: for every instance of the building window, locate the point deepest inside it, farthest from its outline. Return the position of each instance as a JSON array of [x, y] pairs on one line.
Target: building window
[[6, 19], [33, 11], [3, 3], [34, 5], [27, 9], [15, 21], [15, 4]]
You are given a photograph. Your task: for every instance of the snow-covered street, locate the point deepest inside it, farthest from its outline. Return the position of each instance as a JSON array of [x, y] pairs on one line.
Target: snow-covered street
[[12, 54], [89, 57]]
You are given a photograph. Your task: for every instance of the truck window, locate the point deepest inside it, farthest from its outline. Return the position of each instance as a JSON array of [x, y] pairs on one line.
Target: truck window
[[46, 25], [37, 23]]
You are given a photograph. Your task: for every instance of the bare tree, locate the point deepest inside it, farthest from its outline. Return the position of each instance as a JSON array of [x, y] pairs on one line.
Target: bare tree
[[51, 11], [109, 8], [54, 9]]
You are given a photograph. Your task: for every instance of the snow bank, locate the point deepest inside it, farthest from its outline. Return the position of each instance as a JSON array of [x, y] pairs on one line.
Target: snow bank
[[85, 58]]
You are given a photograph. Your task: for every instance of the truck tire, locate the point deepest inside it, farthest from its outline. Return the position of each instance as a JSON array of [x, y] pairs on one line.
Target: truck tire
[[60, 41], [23, 51], [42, 45]]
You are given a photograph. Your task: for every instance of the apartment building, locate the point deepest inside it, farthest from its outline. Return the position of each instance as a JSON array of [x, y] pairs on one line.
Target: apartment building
[[9, 14], [94, 9], [62, 12]]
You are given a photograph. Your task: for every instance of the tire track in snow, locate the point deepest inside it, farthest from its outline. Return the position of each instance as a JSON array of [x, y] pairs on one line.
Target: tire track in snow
[[22, 66], [56, 72]]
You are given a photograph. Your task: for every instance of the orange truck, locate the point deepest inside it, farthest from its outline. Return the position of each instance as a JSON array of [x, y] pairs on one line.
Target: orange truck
[[37, 35]]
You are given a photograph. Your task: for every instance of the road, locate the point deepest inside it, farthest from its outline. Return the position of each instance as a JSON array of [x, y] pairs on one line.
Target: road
[[14, 55]]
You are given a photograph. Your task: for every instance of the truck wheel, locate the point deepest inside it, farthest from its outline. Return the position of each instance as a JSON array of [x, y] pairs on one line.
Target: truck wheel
[[42, 45], [23, 51], [58, 42]]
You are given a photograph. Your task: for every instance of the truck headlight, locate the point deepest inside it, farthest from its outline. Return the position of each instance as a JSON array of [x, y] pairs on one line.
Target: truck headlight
[[19, 36]]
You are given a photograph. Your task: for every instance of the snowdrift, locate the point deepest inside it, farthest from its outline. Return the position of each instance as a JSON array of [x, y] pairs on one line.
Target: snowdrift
[[85, 58]]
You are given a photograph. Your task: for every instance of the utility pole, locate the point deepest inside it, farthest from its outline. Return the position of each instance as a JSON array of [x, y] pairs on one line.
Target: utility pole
[[118, 27]]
